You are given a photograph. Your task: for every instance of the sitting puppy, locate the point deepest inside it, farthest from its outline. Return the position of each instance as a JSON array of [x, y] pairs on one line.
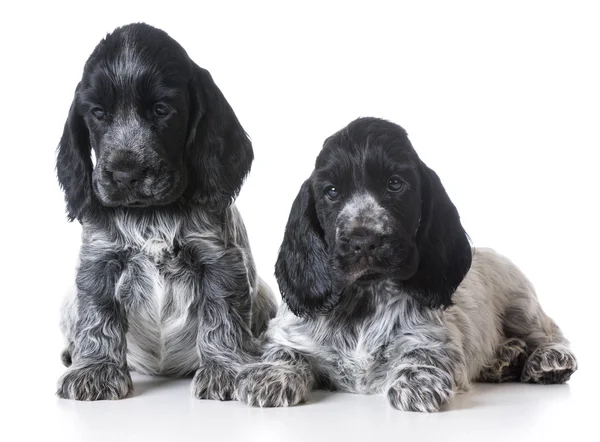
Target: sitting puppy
[[166, 284], [371, 269]]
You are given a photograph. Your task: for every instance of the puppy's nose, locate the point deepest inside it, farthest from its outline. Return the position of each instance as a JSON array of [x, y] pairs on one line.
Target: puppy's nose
[[364, 242], [127, 177]]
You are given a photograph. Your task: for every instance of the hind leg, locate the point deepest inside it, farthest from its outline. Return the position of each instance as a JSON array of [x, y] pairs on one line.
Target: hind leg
[[549, 364], [549, 360], [507, 364], [264, 307], [68, 319]]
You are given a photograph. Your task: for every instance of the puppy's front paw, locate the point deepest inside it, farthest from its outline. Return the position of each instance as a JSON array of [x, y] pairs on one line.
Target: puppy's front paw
[[271, 385], [420, 388], [213, 381], [95, 382]]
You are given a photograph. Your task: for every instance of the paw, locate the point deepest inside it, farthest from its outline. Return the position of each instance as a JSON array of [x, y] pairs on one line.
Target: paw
[[213, 381], [65, 357], [420, 388], [95, 382], [549, 364], [507, 364], [272, 385]]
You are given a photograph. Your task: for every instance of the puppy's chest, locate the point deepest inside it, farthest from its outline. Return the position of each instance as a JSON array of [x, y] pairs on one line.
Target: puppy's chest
[[360, 358], [150, 268], [148, 288]]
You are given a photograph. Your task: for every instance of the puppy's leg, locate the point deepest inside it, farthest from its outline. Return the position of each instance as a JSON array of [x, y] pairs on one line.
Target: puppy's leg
[[264, 308], [68, 321], [284, 379], [507, 364], [224, 342], [422, 377], [99, 366], [550, 360]]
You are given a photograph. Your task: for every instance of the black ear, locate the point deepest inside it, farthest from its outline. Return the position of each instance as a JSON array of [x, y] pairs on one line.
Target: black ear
[[219, 151], [74, 164], [303, 269], [442, 243]]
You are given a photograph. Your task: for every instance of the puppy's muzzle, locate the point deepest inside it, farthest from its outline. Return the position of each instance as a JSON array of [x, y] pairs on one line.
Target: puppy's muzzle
[[363, 243], [360, 247], [126, 177], [124, 170]]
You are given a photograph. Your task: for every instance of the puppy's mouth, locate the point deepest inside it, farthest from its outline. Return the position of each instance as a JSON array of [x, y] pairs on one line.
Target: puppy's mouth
[[136, 204], [155, 192], [369, 277]]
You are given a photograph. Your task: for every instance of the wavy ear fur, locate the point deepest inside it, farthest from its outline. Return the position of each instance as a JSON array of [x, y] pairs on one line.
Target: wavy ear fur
[[220, 152], [303, 266], [74, 164], [444, 249]]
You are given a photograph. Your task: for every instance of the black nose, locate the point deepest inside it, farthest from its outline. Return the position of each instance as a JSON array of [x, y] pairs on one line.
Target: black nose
[[364, 242], [127, 177]]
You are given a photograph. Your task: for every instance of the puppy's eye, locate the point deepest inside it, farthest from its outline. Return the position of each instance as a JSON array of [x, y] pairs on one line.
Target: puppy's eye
[[160, 110], [395, 184], [332, 193], [98, 113]]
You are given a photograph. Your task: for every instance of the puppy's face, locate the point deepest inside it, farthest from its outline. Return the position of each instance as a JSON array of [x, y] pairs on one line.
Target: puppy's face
[[158, 126], [135, 102], [368, 201], [370, 210]]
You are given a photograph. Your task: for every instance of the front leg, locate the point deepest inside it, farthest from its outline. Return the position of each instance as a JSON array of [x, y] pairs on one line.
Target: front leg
[[283, 379], [99, 367], [422, 377], [224, 342]]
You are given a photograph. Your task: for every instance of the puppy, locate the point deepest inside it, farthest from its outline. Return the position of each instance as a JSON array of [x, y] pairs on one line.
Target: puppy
[[372, 270], [150, 161]]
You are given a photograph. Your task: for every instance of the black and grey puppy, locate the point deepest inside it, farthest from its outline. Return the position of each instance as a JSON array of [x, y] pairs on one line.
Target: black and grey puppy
[[166, 283], [374, 271]]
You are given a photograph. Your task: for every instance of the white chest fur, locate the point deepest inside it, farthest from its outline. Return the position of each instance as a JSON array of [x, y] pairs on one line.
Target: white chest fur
[[158, 304]]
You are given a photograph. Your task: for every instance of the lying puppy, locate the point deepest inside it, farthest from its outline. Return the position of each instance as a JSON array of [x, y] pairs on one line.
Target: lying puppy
[[166, 284], [371, 269]]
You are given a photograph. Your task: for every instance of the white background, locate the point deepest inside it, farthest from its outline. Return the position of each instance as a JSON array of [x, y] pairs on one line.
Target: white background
[[502, 99]]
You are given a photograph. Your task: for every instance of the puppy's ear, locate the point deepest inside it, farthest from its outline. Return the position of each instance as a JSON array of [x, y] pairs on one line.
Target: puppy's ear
[[303, 269], [219, 151], [74, 164], [443, 246]]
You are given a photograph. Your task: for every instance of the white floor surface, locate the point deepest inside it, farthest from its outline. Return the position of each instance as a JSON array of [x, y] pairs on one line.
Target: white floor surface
[[164, 410]]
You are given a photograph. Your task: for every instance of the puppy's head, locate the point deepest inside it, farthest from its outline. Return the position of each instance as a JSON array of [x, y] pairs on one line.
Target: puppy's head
[[159, 128], [371, 210]]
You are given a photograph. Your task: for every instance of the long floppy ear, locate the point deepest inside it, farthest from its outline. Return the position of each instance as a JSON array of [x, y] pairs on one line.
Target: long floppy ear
[[220, 152], [74, 164], [303, 269], [444, 249]]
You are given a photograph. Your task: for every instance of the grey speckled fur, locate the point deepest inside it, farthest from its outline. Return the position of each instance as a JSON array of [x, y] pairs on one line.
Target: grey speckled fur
[[383, 292], [163, 295], [419, 357]]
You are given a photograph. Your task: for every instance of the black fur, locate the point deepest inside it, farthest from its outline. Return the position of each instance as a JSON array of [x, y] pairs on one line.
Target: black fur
[[197, 153], [422, 246], [158, 223]]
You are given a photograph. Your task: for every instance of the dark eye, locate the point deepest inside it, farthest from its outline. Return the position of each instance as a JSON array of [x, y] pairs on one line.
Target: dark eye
[[98, 113], [395, 184], [160, 110], [332, 193]]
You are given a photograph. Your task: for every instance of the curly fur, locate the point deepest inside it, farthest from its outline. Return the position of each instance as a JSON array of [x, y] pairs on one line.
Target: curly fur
[[384, 295], [166, 283]]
